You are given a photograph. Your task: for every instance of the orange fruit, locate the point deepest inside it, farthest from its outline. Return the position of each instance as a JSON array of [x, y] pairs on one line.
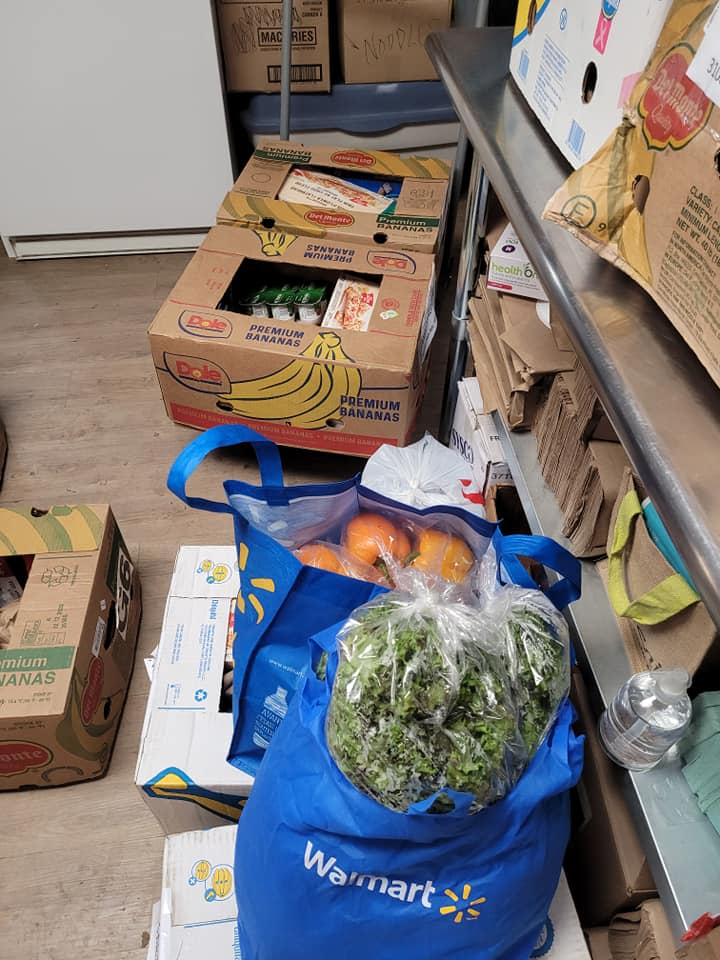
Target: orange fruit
[[444, 555], [370, 537], [320, 556]]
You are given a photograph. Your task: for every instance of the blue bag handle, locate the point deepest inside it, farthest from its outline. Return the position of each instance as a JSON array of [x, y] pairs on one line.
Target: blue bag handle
[[547, 552], [215, 438]]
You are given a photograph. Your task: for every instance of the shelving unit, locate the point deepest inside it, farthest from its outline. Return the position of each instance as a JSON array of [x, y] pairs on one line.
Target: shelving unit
[[663, 405]]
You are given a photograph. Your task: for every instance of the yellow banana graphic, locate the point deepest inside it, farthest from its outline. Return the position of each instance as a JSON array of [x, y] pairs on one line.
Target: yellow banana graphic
[[273, 243], [304, 393], [174, 784]]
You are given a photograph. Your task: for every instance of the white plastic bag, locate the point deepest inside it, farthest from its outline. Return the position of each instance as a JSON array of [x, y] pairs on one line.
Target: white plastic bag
[[425, 474]]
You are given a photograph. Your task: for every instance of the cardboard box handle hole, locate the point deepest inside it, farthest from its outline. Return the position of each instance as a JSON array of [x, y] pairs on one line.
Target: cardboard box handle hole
[[532, 17], [380, 238], [111, 627], [589, 82], [268, 222], [640, 192]]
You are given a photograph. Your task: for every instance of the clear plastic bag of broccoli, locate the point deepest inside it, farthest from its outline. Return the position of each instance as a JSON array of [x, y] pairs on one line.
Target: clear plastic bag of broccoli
[[538, 645], [422, 706]]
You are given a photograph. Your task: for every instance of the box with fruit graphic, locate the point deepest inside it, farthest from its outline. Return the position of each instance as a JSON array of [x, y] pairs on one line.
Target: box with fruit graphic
[[69, 616], [320, 345], [358, 196]]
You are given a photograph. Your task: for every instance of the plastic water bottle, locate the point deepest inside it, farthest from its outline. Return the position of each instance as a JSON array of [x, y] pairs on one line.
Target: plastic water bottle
[[649, 714], [275, 706]]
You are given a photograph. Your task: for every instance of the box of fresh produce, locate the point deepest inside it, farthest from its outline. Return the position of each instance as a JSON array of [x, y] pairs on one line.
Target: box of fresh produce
[[434, 698]]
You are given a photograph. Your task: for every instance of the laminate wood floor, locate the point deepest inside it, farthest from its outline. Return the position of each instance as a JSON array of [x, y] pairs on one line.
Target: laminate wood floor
[[80, 865]]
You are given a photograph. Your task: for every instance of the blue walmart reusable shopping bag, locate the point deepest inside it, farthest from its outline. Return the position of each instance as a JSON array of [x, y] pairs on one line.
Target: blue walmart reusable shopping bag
[[281, 602], [321, 870]]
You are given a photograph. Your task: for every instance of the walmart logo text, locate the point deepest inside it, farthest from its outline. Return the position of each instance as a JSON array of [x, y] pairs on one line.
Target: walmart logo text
[[328, 868]]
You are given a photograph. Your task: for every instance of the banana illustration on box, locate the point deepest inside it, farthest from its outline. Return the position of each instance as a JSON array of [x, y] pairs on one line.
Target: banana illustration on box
[[304, 393]]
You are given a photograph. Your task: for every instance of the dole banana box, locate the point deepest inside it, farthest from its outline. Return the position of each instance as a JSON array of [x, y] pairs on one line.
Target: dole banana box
[[342, 390], [415, 190], [65, 674], [576, 64], [181, 771]]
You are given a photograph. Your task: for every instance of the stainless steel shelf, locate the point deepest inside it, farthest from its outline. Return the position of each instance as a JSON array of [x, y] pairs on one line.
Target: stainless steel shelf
[[682, 848], [662, 403]]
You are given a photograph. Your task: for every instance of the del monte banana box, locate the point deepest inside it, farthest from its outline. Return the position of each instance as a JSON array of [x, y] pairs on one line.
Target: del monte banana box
[[347, 386], [65, 673], [358, 196], [649, 200]]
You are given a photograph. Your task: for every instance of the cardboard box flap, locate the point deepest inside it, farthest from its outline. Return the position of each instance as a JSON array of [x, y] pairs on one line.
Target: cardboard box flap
[[707, 948], [366, 161], [264, 244], [597, 938], [60, 529], [197, 870]]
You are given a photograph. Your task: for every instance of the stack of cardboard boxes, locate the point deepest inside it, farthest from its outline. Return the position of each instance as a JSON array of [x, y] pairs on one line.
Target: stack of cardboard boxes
[[379, 42], [308, 313]]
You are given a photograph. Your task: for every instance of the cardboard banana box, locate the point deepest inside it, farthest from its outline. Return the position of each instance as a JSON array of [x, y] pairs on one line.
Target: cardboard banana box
[[407, 212], [343, 390], [65, 673], [649, 200]]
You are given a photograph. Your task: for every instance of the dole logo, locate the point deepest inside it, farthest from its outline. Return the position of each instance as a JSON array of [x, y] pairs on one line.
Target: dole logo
[[93, 690], [330, 218], [673, 109], [352, 158], [197, 374], [200, 325], [391, 261], [21, 756]]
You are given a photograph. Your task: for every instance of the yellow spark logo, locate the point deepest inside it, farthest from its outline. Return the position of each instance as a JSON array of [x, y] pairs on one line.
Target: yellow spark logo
[[462, 908], [259, 583]]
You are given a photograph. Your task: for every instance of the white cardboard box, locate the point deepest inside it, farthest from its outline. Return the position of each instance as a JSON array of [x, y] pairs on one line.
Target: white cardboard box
[[198, 909], [475, 438], [561, 938], [578, 63], [182, 771], [509, 269]]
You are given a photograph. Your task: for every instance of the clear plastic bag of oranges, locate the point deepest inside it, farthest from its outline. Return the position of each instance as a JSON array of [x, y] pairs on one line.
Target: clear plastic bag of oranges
[[378, 546]]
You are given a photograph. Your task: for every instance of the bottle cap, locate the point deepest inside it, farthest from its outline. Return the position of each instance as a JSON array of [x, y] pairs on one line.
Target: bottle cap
[[673, 683]]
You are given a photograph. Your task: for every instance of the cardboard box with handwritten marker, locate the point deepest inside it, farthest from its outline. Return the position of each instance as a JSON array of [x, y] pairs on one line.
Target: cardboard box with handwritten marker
[[251, 33], [383, 41]]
